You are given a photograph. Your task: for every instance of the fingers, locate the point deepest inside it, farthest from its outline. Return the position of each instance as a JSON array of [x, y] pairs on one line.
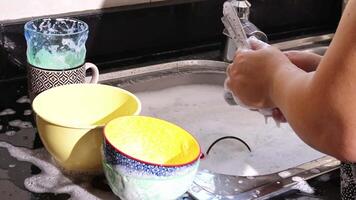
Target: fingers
[[227, 83], [304, 60], [296, 55], [228, 69], [256, 43]]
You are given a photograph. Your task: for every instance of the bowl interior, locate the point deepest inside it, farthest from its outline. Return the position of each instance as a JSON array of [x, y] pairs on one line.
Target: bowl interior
[[83, 105], [152, 141]]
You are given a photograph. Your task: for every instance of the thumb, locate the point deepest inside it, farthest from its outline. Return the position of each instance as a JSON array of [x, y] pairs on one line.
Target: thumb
[[256, 44]]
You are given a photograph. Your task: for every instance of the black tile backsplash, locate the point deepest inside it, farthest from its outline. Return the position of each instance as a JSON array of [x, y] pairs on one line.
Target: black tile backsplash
[[140, 33]]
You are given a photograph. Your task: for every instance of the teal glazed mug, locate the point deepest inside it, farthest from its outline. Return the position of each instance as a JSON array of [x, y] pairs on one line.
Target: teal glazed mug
[[56, 53]]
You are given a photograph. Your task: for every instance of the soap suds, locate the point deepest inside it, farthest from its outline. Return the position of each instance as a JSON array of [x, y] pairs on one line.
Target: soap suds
[[27, 112], [53, 180], [202, 111], [302, 185], [10, 133], [20, 124], [23, 99], [7, 111]]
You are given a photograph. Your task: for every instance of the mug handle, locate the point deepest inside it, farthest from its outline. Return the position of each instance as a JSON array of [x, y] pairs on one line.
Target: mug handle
[[95, 72]]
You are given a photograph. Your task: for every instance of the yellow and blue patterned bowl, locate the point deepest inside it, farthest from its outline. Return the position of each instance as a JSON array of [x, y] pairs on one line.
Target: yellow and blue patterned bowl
[[146, 158]]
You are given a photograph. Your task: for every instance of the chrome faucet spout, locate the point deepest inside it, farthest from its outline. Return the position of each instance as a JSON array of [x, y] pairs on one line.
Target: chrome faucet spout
[[243, 11]]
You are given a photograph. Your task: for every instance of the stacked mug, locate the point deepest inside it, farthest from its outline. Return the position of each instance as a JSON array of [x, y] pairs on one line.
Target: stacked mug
[[56, 54]]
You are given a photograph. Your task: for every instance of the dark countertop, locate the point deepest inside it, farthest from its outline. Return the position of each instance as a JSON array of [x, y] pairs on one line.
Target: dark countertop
[[17, 128]]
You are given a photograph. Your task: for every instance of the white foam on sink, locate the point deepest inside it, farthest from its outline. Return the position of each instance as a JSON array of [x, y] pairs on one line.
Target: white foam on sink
[[51, 179], [202, 111]]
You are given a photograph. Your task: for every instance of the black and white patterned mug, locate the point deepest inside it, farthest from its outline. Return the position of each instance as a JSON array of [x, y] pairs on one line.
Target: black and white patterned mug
[[40, 80]]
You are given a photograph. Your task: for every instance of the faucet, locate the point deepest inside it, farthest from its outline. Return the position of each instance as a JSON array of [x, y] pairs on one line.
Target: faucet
[[243, 11]]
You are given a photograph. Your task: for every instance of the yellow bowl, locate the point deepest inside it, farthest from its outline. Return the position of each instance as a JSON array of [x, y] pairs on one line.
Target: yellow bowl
[[146, 158], [70, 120]]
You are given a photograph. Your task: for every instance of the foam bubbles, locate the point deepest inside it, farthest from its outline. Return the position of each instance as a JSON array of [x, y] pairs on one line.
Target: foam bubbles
[[7, 111], [20, 124], [15, 123], [51, 179], [302, 185], [202, 111], [23, 99], [284, 174], [10, 133], [27, 112]]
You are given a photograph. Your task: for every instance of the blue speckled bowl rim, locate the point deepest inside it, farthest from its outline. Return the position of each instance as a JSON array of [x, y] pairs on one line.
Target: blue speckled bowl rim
[[146, 162]]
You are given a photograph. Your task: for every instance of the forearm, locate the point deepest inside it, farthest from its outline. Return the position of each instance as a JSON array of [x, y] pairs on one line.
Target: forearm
[[316, 112], [321, 107]]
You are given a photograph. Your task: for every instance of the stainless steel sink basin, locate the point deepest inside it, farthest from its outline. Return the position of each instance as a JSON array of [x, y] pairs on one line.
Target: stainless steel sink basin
[[314, 44], [202, 111]]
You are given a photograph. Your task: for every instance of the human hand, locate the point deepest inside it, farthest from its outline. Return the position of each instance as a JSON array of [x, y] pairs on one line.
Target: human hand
[[304, 60], [250, 76]]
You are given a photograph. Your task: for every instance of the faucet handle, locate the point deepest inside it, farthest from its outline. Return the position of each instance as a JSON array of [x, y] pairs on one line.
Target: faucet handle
[[242, 8], [252, 30]]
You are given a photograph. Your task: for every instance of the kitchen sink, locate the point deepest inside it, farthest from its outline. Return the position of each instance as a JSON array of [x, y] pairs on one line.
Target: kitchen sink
[[190, 94]]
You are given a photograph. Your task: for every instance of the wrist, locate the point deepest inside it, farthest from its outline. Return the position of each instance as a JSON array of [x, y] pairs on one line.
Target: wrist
[[281, 83]]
